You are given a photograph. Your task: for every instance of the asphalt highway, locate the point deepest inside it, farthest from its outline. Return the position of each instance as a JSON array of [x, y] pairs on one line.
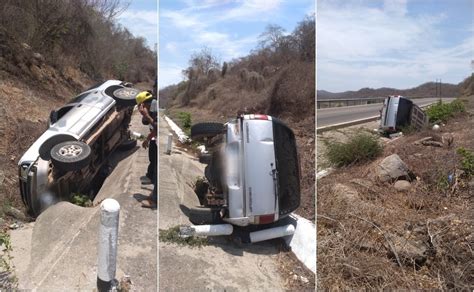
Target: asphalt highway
[[338, 115]]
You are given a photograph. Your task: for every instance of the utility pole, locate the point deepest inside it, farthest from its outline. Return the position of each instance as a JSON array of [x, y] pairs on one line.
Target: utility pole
[[440, 84]]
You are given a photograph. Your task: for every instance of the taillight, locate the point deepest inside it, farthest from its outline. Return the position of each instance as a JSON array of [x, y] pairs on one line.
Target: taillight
[[260, 117], [265, 219]]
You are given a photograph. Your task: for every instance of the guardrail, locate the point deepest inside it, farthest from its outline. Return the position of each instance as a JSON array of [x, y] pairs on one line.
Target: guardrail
[[335, 102], [327, 103]]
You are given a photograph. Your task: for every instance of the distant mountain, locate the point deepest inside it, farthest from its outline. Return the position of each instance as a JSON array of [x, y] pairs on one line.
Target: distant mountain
[[426, 89]]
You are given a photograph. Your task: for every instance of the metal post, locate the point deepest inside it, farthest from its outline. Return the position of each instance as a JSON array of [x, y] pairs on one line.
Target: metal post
[[169, 144], [109, 222]]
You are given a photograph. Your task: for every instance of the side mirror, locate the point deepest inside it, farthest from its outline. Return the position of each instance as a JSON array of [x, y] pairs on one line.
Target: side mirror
[[53, 117]]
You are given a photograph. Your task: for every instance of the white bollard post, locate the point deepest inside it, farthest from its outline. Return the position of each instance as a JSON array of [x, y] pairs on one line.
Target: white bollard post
[[109, 221], [170, 142]]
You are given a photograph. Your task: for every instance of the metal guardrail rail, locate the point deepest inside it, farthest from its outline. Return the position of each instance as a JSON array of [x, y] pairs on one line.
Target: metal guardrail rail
[[335, 102]]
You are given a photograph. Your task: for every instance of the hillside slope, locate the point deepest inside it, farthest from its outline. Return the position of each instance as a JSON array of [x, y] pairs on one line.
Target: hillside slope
[[29, 89], [424, 90]]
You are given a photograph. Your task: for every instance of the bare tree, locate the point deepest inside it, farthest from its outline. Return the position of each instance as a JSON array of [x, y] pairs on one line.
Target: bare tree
[[305, 35], [201, 62], [272, 36]]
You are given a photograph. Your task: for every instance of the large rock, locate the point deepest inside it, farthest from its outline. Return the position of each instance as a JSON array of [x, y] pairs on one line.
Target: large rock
[[409, 251], [392, 168], [402, 185]]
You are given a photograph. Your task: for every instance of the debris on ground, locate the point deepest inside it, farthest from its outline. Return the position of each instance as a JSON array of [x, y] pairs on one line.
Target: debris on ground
[[172, 235]]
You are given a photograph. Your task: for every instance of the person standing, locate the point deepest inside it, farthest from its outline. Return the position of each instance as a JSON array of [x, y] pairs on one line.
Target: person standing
[[147, 106]]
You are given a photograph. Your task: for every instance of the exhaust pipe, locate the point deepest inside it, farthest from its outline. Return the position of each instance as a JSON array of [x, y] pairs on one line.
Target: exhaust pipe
[[271, 233]]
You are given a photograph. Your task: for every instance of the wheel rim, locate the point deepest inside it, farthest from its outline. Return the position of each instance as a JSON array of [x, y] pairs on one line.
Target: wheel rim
[[70, 151]]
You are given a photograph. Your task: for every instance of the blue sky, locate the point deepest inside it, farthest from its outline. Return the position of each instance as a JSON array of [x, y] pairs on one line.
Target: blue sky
[[393, 43], [230, 28], [141, 19]]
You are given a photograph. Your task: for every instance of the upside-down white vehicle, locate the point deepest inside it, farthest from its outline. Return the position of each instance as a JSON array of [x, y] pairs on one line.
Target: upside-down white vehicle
[[252, 174], [75, 148]]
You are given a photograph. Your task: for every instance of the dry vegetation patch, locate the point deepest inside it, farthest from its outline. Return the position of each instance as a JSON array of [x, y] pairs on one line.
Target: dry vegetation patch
[[372, 236]]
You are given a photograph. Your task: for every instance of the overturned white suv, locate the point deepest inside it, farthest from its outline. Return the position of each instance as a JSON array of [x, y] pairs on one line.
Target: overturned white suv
[[67, 158], [252, 175]]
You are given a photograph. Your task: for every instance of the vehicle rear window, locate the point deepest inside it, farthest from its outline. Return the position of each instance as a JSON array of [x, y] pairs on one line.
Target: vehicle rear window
[[287, 166]]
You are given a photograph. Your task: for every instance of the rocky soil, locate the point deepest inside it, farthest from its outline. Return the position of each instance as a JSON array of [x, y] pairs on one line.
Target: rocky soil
[[404, 220]]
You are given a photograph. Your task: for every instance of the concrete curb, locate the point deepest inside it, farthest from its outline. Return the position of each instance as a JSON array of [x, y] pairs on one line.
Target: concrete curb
[[302, 242], [324, 173], [182, 137], [346, 124]]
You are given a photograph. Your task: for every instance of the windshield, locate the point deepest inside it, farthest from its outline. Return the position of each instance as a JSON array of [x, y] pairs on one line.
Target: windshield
[[287, 167]]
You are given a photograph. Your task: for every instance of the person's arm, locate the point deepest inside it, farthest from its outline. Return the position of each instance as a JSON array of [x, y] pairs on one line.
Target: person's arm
[[152, 134]]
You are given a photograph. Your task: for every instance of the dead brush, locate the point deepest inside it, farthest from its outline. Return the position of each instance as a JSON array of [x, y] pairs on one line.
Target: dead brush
[[361, 242]]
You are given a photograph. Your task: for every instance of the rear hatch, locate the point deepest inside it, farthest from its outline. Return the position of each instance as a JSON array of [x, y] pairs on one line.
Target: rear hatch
[[259, 169]]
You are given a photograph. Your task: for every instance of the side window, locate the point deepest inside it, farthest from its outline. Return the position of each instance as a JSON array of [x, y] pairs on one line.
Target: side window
[[62, 111]]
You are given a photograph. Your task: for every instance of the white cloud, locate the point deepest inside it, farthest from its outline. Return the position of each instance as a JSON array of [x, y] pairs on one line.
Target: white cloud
[[142, 23], [252, 9], [169, 74], [397, 7], [171, 47], [359, 46], [202, 23]]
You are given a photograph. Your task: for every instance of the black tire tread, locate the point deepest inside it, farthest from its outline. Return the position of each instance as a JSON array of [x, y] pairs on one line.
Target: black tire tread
[[71, 164], [204, 215], [205, 158], [206, 130]]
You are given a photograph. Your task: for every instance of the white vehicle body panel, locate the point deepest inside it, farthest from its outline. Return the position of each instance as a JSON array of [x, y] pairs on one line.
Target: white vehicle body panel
[[389, 113], [78, 121], [259, 162]]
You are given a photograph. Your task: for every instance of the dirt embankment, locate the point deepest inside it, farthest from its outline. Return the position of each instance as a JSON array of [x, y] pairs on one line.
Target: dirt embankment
[[29, 89], [373, 236], [285, 92]]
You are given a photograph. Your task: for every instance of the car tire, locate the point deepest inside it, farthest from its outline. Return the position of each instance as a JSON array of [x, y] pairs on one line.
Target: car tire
[[206, 130], [127, 145], [71, 155], [205, 158], [204, 215], [124, 96]]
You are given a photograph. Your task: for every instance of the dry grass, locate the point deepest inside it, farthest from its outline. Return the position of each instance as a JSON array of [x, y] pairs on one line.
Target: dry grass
[[371, 236]]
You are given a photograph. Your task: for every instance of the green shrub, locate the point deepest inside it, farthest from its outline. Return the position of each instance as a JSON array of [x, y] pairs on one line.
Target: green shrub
[[443, 111], [360, 148], [81, 200], [185, 121], [171, 235], [467, 161]]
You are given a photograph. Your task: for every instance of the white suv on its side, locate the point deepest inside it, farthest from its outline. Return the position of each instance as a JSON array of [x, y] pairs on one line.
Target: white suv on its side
[[74, 149], [252, 171]]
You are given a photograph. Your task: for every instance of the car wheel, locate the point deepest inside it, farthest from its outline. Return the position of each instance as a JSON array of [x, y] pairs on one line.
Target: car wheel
[[71, 155], [206, 130], [205, 158], [124, 96], [127, 145], [204, 215]]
